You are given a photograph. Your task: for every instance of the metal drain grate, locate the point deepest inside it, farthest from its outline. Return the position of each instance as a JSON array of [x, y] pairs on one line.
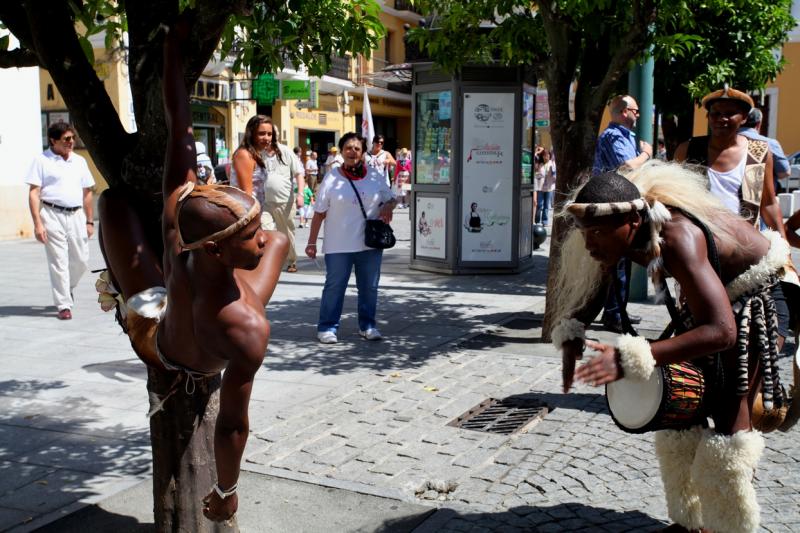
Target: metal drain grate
[[504, 416]]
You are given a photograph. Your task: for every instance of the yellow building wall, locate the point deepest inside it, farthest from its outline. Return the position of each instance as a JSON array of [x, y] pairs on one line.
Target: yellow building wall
[[788, 85]]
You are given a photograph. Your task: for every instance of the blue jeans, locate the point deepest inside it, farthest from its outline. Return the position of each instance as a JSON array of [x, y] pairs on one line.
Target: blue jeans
[[543, 201], [368, 274]]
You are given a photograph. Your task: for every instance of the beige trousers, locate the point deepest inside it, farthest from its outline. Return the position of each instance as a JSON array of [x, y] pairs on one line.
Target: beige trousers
[[67, 250], [280, 217]]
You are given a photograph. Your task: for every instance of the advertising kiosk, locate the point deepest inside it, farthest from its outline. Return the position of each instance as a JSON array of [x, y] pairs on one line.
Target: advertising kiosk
[[472, 193]]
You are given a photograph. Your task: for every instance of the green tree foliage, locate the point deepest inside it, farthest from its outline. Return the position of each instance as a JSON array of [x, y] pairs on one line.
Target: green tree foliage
[[258, 35], [720, 41], [594, 43]]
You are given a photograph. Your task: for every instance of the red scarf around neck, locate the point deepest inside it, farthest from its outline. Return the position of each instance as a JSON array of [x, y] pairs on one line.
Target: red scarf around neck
[[355, 173]]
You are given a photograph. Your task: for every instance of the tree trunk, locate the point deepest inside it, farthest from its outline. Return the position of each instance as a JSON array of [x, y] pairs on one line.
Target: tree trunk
[[182, 438]]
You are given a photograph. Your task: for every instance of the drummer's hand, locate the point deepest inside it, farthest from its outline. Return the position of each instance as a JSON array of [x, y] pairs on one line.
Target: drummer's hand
[[571, 351], [602, 368]]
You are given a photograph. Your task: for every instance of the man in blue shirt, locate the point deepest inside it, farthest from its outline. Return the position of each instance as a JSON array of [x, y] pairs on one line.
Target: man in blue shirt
[[617, 147], [751, 129]]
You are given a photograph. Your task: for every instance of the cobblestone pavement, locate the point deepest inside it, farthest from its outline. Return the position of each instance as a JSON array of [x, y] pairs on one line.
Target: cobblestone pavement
[[572, 471], [367, 417]]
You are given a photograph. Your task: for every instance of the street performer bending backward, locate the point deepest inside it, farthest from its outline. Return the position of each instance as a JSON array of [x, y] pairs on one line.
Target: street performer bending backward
[[201, 310], [662, 216]]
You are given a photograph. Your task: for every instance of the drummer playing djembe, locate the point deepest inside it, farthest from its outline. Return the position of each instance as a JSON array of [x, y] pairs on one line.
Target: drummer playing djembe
[[659, 217]]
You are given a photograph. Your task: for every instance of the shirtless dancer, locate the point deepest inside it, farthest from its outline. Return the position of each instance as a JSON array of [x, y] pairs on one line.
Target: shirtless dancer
[[707, 474], [220, 269]]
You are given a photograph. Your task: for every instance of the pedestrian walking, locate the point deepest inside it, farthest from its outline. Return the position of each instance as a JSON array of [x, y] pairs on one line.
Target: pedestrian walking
[[402, 177], [545, 184], [344, 246], [312, 170], [60, 200]]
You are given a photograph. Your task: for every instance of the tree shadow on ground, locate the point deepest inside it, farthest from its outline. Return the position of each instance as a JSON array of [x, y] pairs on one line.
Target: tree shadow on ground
[[571, 517], [27, 310], [53, 455], [100, 520], [416, 327]]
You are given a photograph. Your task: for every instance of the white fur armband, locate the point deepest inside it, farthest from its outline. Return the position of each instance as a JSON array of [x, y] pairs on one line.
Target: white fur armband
[[635, 357], [566, 330]]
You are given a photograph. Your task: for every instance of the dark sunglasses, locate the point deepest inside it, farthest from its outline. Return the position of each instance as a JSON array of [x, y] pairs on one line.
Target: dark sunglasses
[[68, 139]]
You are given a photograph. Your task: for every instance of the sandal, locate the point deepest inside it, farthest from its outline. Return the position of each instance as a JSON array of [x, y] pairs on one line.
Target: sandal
[[291, 268]]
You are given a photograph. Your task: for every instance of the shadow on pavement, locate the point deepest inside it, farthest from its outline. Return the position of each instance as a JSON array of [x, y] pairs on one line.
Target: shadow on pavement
[[416, 327], [54, 452], [571, 517], [24, 310], [96, 518], [132, 368]]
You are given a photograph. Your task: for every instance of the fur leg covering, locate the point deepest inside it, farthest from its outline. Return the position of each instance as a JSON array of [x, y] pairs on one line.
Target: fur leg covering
[[723, 471], [675, 450]]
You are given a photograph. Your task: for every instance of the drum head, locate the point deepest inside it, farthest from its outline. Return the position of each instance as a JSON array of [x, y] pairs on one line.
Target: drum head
[[632, 403]]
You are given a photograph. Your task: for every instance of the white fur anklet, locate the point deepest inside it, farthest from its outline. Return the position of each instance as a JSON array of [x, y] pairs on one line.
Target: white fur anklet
[[635, 357], [674, 450], [723, 471], [566, 330]]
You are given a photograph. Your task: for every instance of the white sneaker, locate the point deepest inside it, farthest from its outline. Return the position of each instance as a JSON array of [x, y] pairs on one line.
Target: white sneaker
[[327, 337], [371, 334]]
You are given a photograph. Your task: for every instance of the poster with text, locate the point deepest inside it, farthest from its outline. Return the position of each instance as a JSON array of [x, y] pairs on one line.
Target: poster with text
[[430, 227], [488, 176]]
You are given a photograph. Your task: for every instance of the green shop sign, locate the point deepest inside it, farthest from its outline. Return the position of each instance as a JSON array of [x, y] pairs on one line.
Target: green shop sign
[[297, 90]]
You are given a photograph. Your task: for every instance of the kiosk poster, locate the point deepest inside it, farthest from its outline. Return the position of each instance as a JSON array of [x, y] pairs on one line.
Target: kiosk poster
[[430, 227], [488, 176]]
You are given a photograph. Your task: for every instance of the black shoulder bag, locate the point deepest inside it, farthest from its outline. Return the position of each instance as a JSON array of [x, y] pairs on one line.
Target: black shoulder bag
[[377, 233]]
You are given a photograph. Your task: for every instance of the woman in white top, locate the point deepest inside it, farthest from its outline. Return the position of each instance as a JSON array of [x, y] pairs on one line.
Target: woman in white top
[[248, 171], [344, 246], [545, 184], [380, 159]]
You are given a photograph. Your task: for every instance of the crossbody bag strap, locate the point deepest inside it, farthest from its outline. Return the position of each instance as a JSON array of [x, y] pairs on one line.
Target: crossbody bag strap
[[358, 197]]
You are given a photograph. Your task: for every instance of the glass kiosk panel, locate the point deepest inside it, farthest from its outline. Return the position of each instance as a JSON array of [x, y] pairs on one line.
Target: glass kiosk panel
[[432, 137], [528, 133], [431, 227], [488, 177]]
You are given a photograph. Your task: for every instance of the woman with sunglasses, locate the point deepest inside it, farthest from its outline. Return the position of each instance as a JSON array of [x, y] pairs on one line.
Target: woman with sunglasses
[[380, 159]]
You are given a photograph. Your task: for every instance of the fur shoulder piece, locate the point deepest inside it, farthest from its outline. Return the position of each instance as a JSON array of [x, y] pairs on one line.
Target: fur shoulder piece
[[760, 273]]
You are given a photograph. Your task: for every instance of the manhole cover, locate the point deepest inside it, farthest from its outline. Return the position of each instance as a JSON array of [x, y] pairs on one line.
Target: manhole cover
[[504, 416]]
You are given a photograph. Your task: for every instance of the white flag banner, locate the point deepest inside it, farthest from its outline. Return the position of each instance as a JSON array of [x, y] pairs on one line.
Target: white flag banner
[[367, 126]]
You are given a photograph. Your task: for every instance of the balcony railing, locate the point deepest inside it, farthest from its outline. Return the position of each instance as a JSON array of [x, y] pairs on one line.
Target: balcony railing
[[368, 68], [340, 68], [406, 5]]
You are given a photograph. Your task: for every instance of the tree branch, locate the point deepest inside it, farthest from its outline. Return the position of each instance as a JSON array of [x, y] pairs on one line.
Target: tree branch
[[18, 58], [91, 110]]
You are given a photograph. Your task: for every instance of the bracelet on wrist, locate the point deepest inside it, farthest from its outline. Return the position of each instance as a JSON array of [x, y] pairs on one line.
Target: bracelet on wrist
[[224, 494], [312, 245], [89, 223]]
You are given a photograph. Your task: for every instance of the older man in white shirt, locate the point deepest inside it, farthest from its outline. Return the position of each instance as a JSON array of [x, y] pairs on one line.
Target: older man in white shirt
[[60, 184]]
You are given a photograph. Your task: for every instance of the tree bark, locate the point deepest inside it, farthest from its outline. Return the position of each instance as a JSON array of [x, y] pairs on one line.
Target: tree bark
[[182, 438], [574, 139]]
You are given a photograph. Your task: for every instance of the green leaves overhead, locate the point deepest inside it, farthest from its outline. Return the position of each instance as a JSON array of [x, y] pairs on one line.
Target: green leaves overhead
[[301, 32]]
